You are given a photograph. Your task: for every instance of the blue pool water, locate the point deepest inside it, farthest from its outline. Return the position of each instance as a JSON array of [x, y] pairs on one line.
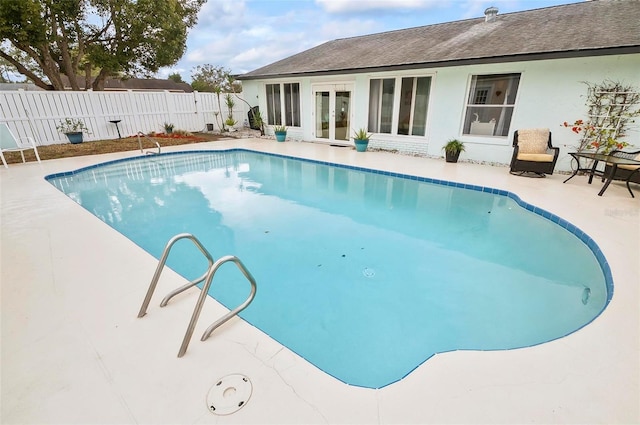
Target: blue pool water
[[364, 274]]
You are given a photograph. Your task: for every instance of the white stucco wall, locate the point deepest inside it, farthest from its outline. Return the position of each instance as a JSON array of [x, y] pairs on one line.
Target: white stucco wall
[[550, 92]]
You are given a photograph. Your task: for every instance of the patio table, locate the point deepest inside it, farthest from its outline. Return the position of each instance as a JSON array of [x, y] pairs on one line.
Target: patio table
[[614, 161]]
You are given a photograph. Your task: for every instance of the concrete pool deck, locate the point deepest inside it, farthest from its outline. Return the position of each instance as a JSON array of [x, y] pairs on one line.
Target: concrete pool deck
[[73, 351]]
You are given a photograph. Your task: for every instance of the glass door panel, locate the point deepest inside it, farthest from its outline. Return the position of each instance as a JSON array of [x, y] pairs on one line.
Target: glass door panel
[[419, 127], [343, 114], [332, 112], [322, 115], [406, 96]]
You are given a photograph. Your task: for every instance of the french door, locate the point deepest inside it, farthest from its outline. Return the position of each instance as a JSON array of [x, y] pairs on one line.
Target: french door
[[332, 112]]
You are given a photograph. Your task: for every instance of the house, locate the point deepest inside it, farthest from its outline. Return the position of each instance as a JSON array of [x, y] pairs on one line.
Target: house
[[135, 84], [19, 86], [477, 80]]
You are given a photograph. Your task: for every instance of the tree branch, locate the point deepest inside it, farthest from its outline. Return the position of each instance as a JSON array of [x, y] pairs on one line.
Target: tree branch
[[98, 83], [63, 45], [27, 73], [44, 60]]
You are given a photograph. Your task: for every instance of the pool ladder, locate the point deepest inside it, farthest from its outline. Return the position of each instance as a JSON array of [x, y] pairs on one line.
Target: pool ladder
[[207, 277], [140, 133]]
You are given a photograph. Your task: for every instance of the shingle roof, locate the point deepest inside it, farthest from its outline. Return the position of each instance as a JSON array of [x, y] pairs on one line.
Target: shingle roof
[[149, 84], [580, 29]]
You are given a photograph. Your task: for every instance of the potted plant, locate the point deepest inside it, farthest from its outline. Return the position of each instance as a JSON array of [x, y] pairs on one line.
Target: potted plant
[[168, 128], [230, 122], [361, 139], [452, 150], [73, 129], [280, 132]]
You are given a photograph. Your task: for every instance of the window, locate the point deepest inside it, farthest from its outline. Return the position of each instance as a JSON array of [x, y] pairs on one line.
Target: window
[[273, 104], [490, 104], [481, 96], [287, 94], [401, 112], [292, 104], [381, 105], [413, 106]]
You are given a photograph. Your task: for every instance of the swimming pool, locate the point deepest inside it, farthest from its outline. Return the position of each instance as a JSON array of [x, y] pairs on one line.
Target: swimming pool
[[366, 275]]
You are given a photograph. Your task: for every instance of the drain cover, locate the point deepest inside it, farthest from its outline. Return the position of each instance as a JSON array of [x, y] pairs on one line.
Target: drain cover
[[229, 394], [367, 272]]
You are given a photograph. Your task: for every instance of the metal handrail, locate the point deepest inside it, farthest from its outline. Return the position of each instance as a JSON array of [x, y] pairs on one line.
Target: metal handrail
[[208, 278], [203, 296], [161, 263], [140, 133]]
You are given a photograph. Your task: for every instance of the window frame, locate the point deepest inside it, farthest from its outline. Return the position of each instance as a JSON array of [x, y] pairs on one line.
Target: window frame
[[286, 107], [500, 128], [396, 104]]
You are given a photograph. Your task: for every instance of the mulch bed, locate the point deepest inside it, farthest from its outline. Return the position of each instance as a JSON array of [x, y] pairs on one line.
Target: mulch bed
[[66, 150]]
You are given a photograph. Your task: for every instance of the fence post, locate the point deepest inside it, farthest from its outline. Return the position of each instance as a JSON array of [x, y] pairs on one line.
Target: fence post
[[170, 108]]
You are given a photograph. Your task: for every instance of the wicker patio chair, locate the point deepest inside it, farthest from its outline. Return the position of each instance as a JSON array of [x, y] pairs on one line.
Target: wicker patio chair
[[533, 154], [627, 173]]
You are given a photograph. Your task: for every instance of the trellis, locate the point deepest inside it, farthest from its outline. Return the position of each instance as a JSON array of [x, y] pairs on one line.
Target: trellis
[[611, 108]]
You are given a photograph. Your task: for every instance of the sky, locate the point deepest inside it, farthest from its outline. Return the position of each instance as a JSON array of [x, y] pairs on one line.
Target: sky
[[243, 35]]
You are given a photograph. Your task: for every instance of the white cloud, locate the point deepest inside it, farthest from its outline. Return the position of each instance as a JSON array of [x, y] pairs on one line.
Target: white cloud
[[222, 13], [252, 55], [165, 72], [258, 32], [274, 47], [342, 6], [218, 48], [332, 30]]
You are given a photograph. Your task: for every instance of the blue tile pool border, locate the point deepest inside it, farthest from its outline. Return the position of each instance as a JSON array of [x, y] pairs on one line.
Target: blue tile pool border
[[580, 234]]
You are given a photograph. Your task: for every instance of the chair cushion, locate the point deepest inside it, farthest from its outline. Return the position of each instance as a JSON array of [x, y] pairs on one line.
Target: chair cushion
[[533, 141], [629, 166], [536, 157]]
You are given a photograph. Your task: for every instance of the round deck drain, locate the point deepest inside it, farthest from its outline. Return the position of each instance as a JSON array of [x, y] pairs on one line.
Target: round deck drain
[[367, 272], [229, 394]]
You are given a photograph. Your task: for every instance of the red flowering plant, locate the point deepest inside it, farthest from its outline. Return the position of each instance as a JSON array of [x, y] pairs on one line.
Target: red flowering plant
[[598, 138], [611, 109]]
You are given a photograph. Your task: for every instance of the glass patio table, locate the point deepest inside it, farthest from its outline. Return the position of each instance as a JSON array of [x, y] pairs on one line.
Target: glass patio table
[[611, 160]]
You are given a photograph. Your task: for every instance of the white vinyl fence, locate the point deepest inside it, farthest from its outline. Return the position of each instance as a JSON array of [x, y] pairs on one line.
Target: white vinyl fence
[[37, 113]]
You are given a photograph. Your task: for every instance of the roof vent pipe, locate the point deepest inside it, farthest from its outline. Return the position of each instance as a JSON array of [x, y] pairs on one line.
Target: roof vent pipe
[[490, 14]]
